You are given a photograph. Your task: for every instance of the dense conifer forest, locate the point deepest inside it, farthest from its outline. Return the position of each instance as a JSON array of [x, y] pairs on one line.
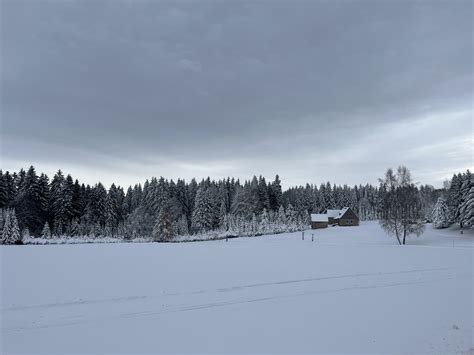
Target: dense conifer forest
[[33, 205]]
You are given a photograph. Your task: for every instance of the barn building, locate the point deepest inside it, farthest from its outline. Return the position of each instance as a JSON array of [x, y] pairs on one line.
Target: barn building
[[347, 217], [344, 217], [333, 216], [319, 221]]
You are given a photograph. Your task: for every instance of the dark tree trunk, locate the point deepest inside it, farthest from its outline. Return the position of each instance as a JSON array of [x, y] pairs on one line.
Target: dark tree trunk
[[398, 238]]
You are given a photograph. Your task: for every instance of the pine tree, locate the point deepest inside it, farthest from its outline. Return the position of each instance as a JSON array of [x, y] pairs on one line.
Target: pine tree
[[6, 233], [290, 214], [454, 197], [467, 209], [3, 212], [329, 198], [44, 196], [11, 231], [164, 229], [29, 204], [74, 228], [19, 180], [97, 206], [262, 196], [46, 233], [281, 218], [203, 214], [78, 200], [59, 201], [10, 189], [275, 194], [464, 203], [58, 228], [3, 191], [440, 214], [113, 207], [222, 214], [182, 226], [127, 202], [264, 225]]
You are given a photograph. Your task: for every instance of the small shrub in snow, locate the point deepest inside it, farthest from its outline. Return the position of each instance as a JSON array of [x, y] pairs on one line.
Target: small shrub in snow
[[46, 233], [25, 233]]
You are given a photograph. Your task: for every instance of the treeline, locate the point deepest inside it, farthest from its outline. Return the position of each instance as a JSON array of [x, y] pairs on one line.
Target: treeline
[[162, 208]]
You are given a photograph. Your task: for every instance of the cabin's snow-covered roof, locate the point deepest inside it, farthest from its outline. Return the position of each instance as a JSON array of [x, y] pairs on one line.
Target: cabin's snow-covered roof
[[317, 217], [336, 213], [333, 213], [343, 211]]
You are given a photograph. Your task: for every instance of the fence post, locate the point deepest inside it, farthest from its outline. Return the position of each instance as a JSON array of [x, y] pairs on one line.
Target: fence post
[[302, 235], [312, 237]]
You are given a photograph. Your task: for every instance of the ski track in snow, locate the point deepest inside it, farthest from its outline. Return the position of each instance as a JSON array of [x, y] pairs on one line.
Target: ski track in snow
[[372, 281], [224, 289]]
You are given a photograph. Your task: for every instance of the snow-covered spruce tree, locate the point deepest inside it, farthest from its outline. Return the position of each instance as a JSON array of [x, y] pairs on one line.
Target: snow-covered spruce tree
[[58, 228], [304, 220], [275, 194], [467, 210], [46, 233], [2, 218], [108, 230], [74, 228], [223, 215], [182, 225], [264, 224], [164, 229], [11, 231], [16, 235], [464, 203], [6, 234], [3, 191], [254, 225], [454, 197], [401, 213], [281, 219], [440, 214], [203, 213]]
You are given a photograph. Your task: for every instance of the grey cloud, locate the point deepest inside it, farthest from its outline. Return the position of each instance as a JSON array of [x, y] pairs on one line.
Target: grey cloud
[[257, 85]]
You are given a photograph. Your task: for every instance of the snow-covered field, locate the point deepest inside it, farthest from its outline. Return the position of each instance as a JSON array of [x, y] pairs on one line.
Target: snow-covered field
[[351, 290]]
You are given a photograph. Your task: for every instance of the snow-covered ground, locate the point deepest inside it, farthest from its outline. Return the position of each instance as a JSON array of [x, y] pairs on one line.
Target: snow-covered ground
[[351, 290]]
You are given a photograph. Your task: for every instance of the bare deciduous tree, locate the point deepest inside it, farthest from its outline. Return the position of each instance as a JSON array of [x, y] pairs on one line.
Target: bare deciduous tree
[[401, 213]]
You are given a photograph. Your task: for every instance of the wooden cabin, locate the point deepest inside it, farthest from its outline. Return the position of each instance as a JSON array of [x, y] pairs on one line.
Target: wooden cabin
[[319, 221], [348, 218], [345, 217]]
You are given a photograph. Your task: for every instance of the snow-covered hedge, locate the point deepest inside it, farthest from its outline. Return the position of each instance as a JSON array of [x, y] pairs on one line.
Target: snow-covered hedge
[[239, 229], [231, 227], [82, 240]]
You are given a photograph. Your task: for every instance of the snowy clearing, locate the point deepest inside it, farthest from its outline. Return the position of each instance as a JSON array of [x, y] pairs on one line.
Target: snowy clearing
[[351, 290]]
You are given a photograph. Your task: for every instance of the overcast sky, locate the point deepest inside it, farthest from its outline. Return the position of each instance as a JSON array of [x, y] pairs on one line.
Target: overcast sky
[[310, 90]]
